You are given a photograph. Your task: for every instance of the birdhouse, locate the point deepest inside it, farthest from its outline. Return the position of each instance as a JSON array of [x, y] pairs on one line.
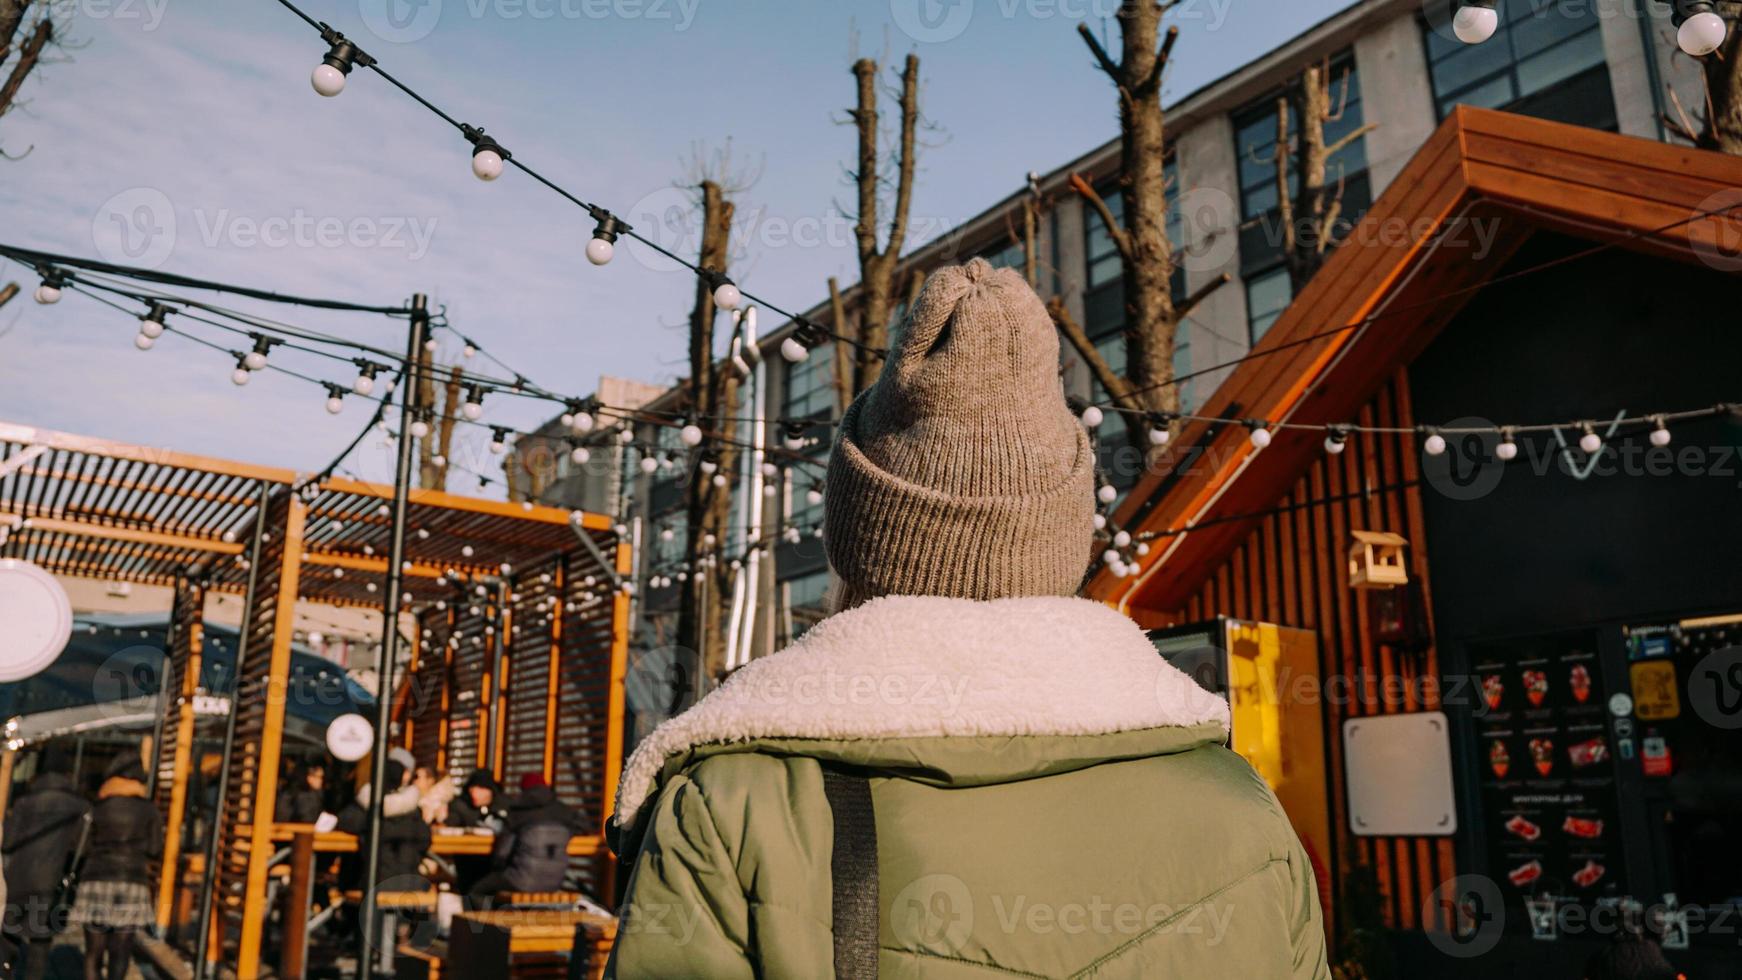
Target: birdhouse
[[1376, 560]]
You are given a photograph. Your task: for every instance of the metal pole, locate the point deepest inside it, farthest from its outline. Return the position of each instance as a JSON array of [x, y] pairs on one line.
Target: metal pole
[[390, 631], [164, 696], [208, 875]]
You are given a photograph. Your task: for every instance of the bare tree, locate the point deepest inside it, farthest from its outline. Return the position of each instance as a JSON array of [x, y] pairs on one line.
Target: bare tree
[[1308, 204], [879, 261], [712, 396], [28, 30], [1719, 127], [433, 450], [1139, 234]]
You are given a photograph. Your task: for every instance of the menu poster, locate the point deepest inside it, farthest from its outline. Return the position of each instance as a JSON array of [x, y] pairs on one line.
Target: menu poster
[[1548, 781]]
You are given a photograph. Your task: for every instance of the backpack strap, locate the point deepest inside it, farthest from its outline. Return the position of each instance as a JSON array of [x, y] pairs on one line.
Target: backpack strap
[[853, 874]]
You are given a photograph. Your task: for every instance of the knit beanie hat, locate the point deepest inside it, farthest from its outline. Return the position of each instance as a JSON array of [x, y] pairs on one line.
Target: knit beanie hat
[[962, 472]]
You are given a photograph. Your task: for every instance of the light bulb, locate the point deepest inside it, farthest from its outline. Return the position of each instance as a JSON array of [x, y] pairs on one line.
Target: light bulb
[[599, 251], [1142, 548], [709, 466], [1100, 521], [1107, 494], [335, 405], [1590, 442], [1474, 24], [327, 80], [666, 534], [1260, 437], [1092, 417], [439, 460], [1110, 557], [719, 479], [1701, 34], [1158, 436], [420, 429], [254, 360], [47, 295], [472, 411], [468, 352], [497, 447], [240, 376], [727, 295], [365, 383], [583, 422], [793, 351], [1506, 450], [143, 341], [626, 436], [691, 435], [150, 327], [579, 455], [1434, 444], [813, 497], [649, 465], [487, 164], [1660, 435], [1121, 539]]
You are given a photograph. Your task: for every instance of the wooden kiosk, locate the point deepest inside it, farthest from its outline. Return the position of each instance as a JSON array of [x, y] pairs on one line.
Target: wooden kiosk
[[517, 652]]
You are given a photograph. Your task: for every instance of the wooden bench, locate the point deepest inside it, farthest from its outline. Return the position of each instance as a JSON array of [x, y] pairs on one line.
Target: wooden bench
[[537, 900], [530, 944]]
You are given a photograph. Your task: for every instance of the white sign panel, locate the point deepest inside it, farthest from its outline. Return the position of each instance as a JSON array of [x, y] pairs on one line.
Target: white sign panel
[[36, 619], [350, 737], [1399, 775]]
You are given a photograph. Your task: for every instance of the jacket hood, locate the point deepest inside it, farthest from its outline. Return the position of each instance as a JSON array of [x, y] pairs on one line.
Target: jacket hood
[[532, 799], [121, 786], [947, 691]]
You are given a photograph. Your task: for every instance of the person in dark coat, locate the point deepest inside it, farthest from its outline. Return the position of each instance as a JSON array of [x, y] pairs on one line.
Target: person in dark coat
[[42, 828], [531, 853], [404, 836], [476, 805], [303, 798], [114, 897]]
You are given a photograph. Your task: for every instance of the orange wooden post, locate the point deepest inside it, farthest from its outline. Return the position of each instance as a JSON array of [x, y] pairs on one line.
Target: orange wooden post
[[182, 681], [619, 670], [293, 962], [553, 684]]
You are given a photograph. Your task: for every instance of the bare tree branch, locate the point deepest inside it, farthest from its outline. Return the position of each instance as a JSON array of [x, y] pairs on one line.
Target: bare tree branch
[[1121, 241]]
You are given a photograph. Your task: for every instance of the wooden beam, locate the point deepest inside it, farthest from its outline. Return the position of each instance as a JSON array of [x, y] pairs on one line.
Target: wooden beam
[[28, 435], [130, 535], [474, 505]]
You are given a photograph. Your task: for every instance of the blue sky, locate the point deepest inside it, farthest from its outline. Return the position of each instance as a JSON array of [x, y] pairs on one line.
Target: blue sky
[[184, 134]]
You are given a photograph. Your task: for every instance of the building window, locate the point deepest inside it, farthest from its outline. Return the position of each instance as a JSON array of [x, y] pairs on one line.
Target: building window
[[1545, 60], [1010, 256], [802, 602], [668, 553], [1268, 289], [810, 385]]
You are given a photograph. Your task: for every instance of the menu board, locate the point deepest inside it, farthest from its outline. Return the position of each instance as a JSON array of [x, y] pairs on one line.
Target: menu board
[[1548, 780]]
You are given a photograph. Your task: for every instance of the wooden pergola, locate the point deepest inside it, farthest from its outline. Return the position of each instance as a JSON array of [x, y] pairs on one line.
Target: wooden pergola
[[517, 659]]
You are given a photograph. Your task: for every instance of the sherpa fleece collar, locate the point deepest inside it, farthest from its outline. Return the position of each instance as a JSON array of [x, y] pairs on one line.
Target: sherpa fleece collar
[[924, 666]]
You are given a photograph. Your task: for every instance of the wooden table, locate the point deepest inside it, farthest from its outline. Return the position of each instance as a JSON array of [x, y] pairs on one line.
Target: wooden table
[[337, 842], [528, 943]]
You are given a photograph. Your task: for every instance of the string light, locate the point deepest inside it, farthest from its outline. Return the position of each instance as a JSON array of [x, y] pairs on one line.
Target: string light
[[419, 426], [498, 440], [487, 154], [1336, 439], [255, 360], [48, 293], [335, 399], [1260, 435], [1434, 444], [1508, 448], [690, 434], [473, 407], [144, 341], [1475, 21], [1590, 442], [151, 324], [1699, 29], [329, 76], [241, 375], [727, 295], [1159, 432], [579, 454], [365, 383], [1091, 417], [602, 247], [1659, 432]]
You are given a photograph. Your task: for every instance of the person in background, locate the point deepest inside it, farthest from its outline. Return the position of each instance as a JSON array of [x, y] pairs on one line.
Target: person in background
[[42, 828], [476, 806], [114, 895], [531, 853], [303, 798], [1633, 955], [404, 835], [435, 791]]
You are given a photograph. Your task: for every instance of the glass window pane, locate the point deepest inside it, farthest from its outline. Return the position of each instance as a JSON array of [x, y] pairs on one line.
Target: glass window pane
[[1471, 64], [1560, 62], [1267, 296]]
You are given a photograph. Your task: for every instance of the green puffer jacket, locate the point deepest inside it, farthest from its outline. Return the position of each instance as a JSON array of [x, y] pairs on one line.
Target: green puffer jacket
[[1051, 800]]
